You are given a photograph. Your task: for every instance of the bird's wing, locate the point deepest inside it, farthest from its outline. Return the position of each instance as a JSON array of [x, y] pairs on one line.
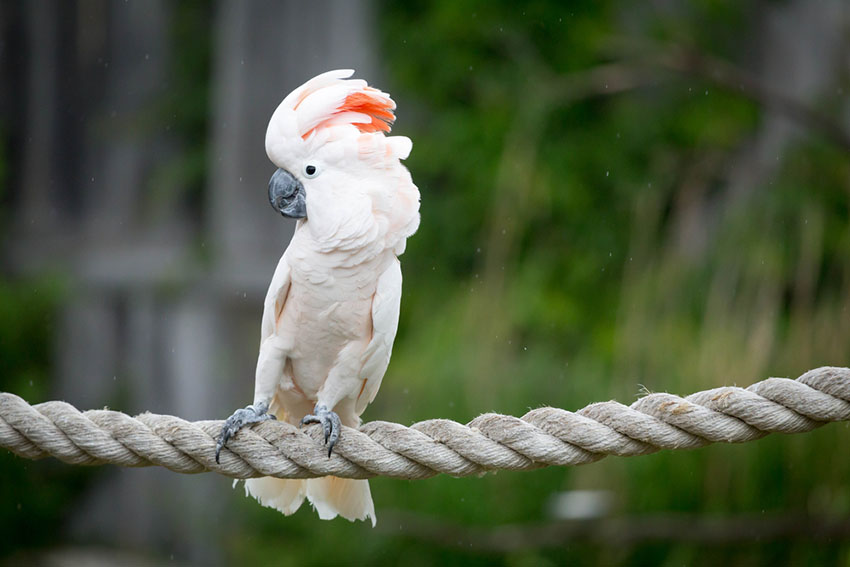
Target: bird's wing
[[385, 309], [272, 356], [275, 299]]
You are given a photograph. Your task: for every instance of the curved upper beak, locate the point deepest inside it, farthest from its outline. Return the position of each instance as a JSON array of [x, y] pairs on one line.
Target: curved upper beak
[[287, 195]]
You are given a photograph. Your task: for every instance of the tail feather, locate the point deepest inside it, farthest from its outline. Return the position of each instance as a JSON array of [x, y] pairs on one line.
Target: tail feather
[[284, 495], [349, 498], [330, 496]]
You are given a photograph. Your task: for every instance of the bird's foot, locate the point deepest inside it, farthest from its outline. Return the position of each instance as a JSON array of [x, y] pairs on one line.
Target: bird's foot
[[240, 418], [330, 424]]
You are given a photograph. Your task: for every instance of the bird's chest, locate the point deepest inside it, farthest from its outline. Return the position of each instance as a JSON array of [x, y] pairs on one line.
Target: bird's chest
[[329, 308]]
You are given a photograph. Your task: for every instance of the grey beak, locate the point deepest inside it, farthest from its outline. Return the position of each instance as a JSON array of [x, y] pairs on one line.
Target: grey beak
[[287, 195]]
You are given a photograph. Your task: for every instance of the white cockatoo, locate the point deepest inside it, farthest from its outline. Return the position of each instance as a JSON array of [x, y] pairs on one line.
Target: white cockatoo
[[331, 312]]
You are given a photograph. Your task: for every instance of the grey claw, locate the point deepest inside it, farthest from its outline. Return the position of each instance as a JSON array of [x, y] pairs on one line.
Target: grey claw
[[239, 419], [331, 424], [336, 427], [326, 427]]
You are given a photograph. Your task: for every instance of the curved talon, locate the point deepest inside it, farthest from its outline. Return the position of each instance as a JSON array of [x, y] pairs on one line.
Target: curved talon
[[239, 419], [331, 424]]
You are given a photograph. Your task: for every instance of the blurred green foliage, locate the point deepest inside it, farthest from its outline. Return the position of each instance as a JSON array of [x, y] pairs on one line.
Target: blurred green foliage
[[37, 496], [576, 246]]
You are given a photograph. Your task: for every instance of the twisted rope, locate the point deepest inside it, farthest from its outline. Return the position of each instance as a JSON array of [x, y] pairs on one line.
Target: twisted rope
[[542, 437]]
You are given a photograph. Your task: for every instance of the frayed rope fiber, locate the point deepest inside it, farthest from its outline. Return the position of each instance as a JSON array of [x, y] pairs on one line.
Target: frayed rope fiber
[[542, 437]]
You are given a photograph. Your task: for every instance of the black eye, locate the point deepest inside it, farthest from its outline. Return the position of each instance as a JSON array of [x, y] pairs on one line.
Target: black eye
[[310, 171]]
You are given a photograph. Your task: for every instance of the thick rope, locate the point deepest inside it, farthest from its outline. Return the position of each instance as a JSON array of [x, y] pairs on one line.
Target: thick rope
[[542, 437]]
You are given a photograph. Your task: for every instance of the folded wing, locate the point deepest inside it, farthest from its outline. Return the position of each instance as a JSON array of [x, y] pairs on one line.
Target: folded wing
[[385, 310]]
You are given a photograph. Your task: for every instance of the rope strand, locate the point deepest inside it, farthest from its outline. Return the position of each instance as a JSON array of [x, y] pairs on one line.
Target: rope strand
[[542, 437]]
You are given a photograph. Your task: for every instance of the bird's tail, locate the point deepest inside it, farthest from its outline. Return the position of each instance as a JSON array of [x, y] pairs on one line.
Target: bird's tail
[[348, 497], [284, 495], [331, 496]]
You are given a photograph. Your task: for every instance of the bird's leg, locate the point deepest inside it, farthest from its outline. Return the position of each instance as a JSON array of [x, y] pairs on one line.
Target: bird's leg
[[251, 414], [330, 424]]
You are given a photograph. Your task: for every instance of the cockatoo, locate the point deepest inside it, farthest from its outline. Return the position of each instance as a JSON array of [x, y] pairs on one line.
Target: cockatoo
[[331, 312]]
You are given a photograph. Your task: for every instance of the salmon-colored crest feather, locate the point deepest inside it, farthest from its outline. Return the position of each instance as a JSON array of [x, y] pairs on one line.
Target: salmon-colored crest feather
[[370, 102]]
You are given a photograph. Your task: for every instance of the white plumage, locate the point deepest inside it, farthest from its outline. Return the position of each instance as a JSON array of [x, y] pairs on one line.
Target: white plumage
[[331, 312]]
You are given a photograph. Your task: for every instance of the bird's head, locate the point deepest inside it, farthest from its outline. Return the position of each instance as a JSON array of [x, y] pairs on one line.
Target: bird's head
[[328, 140]]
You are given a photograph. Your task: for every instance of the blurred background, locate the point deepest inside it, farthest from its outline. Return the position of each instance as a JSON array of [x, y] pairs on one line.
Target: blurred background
[[617, 197]]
